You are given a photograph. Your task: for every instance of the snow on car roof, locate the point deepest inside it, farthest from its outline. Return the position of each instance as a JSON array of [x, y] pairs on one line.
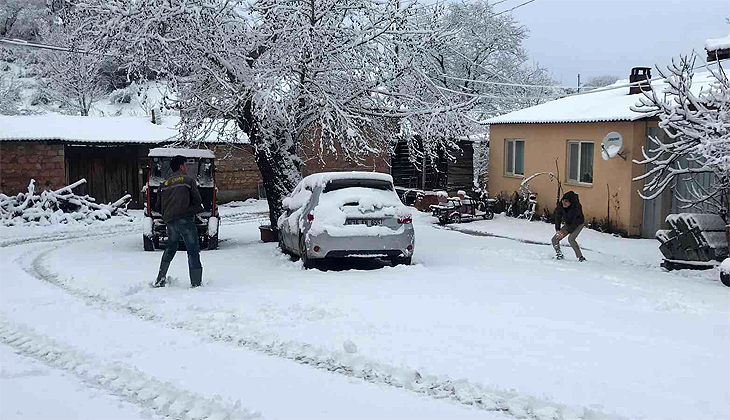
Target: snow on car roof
[[176, 151], [322, 178], [605, 105], [136, 130]]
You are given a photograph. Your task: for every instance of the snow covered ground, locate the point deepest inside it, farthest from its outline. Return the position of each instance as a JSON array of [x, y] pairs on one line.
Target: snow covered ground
[[481, 326]]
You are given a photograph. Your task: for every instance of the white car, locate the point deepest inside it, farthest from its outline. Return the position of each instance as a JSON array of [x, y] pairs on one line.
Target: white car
[[346, 214]]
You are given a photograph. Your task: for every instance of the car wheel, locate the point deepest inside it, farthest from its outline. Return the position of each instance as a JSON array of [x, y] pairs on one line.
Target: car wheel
[[148, 244], [489, 214], [456, 218], [306, 261], [725, 278], [213, 242], [402, 261], [156, 241]]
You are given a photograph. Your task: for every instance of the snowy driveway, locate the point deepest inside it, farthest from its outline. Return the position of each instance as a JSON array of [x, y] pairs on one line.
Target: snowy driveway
[[478, 327]]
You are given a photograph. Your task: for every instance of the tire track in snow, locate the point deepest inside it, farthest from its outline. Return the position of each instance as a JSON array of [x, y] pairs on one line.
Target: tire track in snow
[[105, 231], [490, 399], [619, 259], [125, 382]]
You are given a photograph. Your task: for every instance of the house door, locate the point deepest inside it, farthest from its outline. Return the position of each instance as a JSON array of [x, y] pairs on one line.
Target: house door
[[110, 172]]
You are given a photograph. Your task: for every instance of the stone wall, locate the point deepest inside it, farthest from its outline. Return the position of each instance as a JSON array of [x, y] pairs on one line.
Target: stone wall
[[21, 161]]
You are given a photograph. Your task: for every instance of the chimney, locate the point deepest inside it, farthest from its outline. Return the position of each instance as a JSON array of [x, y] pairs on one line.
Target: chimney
[[638, 74]]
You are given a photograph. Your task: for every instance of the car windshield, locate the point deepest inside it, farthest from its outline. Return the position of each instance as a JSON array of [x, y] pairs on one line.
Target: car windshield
[[377, 184], [200, 169]]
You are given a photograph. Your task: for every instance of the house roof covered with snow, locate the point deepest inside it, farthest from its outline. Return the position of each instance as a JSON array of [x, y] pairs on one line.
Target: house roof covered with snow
[[717, 44], [98, 130], [612, 103]]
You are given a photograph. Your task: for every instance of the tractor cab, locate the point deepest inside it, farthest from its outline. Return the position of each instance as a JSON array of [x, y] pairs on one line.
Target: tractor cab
[[201, 167]]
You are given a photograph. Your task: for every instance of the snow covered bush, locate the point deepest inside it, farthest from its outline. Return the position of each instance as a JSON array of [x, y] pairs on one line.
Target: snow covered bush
[[698, 126], [56, 207]]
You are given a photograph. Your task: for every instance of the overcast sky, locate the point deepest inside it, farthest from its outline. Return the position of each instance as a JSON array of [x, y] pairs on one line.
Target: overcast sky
[[594, 37]]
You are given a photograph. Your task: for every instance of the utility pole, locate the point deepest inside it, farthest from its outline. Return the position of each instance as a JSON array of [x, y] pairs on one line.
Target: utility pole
[[578, 82]]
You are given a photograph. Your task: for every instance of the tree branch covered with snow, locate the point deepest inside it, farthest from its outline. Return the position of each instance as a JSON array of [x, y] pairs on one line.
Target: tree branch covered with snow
[[56, 207], [697, 124], [71, 79], [345, 77]]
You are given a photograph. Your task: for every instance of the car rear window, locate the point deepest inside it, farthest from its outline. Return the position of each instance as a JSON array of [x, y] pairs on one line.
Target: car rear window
[[338, 184]]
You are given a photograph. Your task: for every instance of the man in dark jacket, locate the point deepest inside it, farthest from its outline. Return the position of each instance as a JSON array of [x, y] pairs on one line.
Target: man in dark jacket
[[178, 199], [569, 222]]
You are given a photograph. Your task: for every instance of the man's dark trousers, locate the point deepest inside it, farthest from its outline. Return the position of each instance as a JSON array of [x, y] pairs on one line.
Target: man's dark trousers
[[184, 228]]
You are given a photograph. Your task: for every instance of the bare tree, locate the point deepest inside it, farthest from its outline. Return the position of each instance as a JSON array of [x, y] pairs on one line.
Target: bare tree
[[601, 81], [345, 76], [9, 92], [697, 124], [22, 18], [72, 79]]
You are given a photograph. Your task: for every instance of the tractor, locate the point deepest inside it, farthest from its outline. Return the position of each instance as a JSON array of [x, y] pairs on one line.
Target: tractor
[[201, 167]]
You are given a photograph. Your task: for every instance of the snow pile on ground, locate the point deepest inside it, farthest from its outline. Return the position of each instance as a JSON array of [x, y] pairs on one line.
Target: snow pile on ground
[[56, 207]]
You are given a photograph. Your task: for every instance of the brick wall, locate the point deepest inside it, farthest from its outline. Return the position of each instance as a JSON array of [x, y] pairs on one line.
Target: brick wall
[[237, 175], [21, 161], [336, 163]]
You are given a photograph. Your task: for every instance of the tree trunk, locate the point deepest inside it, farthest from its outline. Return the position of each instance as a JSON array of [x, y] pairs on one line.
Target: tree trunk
[[279, 174]]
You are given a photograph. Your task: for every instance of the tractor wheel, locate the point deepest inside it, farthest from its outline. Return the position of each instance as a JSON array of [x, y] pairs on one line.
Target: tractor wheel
[[213, 242], [148, 244]]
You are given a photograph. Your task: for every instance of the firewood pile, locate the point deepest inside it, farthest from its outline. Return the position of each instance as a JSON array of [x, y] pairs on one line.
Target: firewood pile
[[694, 238], [56, 207]]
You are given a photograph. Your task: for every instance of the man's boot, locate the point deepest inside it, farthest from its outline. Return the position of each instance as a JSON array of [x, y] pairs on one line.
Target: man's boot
[[196, 277], [162, 274]]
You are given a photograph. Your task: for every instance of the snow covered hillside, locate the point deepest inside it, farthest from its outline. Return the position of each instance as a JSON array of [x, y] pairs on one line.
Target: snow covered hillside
[[485, 324]]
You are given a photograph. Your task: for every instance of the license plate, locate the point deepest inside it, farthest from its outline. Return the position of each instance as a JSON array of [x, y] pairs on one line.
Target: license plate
[[367, 222]]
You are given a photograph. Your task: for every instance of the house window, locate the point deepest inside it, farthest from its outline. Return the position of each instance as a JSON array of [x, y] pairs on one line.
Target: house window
[[514, 157], [580, 162]]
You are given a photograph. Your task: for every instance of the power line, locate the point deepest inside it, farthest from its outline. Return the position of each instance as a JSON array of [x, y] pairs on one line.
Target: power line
[[21, 43], [516, 7]]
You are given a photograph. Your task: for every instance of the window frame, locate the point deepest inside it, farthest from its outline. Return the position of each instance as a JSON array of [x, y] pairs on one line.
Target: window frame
[[580, 152], [512, 143]]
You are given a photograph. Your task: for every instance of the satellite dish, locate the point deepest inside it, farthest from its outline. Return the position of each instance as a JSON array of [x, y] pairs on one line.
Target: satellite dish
[[611, 145]]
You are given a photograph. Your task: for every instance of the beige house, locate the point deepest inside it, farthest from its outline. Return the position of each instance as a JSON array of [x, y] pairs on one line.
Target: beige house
[[570, 131]]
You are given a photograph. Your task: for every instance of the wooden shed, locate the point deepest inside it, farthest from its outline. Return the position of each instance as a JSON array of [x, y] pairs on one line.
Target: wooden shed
[[108, 152], [443, 175]]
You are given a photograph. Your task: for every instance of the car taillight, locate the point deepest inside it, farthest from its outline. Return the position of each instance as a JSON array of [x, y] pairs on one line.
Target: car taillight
[[405, 220], [310, 217]]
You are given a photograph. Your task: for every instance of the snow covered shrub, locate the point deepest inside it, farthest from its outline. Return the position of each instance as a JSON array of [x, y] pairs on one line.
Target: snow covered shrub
[[39, 98], [121, 96]]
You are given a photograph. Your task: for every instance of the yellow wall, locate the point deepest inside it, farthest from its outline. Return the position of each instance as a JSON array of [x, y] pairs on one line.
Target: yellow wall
[[544, 143]]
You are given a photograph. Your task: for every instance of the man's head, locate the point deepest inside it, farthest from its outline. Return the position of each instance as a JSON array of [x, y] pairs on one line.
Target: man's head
[[177, 164]]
